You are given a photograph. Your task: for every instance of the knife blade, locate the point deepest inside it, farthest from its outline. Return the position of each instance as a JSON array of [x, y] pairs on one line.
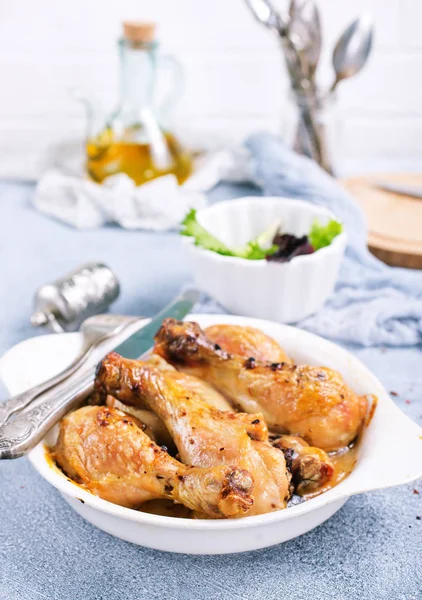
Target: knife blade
[[28, 427], [142, 340], [414, 191]]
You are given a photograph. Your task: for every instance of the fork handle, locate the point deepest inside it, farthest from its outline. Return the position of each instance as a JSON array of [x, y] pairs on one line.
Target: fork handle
[[21, 434]]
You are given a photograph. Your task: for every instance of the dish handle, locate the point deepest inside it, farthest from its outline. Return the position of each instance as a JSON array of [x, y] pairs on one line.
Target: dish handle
[[390, 454]]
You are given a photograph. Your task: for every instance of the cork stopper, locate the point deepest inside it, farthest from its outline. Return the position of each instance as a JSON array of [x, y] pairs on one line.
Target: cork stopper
[[139, 31]]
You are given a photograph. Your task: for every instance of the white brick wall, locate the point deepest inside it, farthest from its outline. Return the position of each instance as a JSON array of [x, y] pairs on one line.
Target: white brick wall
[[235, 79]]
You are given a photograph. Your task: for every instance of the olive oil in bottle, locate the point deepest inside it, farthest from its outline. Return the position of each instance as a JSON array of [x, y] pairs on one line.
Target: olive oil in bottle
[[132, 141]]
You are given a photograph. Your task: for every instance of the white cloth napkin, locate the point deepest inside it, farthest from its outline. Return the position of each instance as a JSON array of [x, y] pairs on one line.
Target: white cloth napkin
[[158, 205]]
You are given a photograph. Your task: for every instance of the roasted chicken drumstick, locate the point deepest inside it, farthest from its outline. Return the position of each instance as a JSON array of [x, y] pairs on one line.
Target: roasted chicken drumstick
[[204, 435], [107, 452], [312, 402]]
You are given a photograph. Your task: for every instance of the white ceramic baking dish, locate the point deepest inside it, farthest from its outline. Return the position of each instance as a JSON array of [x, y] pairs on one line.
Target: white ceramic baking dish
[[390, 452], [284, 292]]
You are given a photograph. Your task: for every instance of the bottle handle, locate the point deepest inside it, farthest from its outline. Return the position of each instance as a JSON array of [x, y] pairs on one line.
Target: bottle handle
[[94, 117], [177, 85]]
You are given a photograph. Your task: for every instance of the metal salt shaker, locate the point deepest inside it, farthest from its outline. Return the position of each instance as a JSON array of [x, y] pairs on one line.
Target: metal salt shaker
[[66, 302]]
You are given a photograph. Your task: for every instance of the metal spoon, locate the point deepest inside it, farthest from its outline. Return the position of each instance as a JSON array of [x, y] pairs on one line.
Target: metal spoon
[[352, 49], [95, 331]]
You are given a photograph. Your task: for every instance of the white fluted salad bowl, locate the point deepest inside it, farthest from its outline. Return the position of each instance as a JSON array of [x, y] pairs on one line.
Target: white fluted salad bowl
[[285, 292]]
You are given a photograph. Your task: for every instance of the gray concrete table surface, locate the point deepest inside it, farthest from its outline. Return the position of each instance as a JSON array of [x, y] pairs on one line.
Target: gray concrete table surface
[[371, 549]]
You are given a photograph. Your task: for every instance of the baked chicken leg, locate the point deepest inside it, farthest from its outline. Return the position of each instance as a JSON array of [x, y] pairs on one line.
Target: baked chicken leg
[[204, 435], [312, 402], [107, 452]]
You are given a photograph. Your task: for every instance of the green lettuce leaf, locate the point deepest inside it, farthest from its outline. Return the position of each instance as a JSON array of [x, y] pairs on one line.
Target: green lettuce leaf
[[254, 250], [201, 236], [322, 235]]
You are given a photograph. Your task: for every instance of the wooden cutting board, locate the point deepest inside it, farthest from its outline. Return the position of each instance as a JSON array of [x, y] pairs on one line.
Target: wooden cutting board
[[394, 221]]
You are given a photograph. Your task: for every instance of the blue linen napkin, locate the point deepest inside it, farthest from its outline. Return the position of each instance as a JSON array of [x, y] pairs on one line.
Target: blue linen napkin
[[373, 304]]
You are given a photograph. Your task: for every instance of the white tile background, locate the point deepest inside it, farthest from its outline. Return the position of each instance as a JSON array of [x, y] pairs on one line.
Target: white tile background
[[235, 80]]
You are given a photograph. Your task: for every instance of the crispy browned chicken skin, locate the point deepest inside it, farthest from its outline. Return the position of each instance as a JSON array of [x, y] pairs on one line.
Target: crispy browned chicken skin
[[312, 402], [107, 452], [247, 342], [204, 435]]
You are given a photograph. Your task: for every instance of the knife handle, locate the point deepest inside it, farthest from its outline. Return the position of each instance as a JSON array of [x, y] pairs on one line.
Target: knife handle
[[27, 429]]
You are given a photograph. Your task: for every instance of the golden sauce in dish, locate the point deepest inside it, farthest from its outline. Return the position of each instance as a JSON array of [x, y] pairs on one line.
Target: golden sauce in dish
[[166, 508], [344, 462]]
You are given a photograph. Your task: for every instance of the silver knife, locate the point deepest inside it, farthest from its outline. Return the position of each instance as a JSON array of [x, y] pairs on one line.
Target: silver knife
[[415, 191], [27, 428]]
